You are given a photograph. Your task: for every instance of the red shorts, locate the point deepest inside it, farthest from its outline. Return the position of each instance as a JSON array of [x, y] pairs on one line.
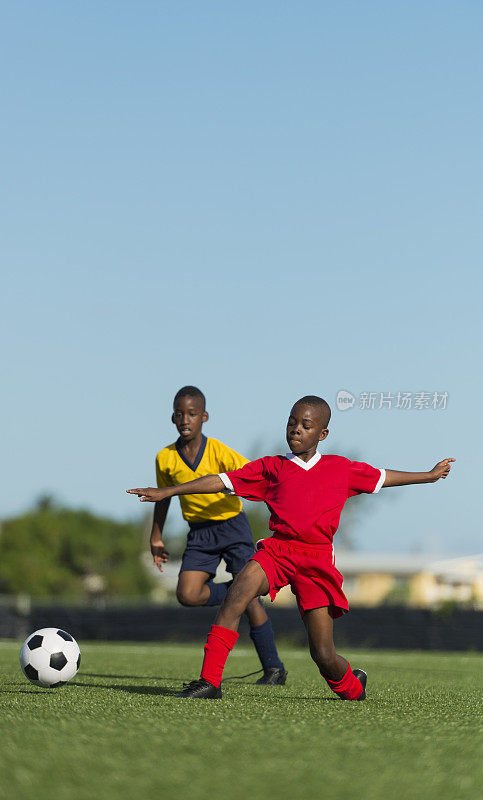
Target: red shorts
[[308, 568]]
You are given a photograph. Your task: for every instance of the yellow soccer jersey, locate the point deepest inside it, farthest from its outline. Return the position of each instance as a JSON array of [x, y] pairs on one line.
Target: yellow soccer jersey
[[172, 468]]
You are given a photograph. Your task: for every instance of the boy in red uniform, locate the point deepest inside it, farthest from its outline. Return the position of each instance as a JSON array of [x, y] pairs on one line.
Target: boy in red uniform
[[305, 492]]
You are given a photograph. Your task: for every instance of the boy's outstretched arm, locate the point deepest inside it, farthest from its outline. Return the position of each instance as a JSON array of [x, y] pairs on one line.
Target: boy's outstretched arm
[[441, 470], [208, 484], [158, 550]]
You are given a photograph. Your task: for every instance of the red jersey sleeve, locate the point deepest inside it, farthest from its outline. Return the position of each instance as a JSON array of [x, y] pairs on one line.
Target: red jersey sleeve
[[364, 478], [250, 482]]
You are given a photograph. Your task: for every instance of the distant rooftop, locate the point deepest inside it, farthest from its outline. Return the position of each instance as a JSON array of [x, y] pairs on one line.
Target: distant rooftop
[[402, 565]]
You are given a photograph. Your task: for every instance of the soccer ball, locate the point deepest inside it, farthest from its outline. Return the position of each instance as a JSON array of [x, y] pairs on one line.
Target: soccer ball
[[50, 657]]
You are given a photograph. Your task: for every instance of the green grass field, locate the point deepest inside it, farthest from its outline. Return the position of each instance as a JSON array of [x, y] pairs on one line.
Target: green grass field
[[116, 731]]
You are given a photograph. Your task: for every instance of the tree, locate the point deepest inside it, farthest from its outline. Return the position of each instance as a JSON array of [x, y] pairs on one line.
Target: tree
[[53, 552]]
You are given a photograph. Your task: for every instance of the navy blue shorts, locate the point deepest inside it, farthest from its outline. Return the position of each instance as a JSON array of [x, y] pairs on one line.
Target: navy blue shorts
[[209, 542]]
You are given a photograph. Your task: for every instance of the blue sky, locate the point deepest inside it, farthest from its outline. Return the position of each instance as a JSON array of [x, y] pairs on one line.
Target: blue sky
[[266, 200]]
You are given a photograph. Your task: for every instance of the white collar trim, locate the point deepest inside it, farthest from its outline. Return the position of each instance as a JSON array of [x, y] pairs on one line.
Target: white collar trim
[[304, 464]]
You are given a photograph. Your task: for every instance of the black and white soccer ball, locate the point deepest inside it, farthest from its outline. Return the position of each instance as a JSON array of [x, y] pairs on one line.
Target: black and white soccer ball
[[50, 657]]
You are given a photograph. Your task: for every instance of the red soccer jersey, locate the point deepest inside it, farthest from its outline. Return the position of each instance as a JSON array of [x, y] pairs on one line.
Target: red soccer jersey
[[305, 498]]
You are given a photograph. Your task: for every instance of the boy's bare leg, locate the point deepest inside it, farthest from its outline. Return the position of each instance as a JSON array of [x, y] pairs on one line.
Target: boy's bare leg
[[262, 636], [256, 613], [192, 589], [319, 624], [248, 585], [347, 684]]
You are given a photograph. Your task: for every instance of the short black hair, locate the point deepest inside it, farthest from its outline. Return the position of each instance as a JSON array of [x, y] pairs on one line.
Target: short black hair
[[190, 391], [319, 403]]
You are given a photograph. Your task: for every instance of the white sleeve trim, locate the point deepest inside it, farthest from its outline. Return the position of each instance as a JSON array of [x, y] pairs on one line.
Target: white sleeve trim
[[380, 481], [228, 484]]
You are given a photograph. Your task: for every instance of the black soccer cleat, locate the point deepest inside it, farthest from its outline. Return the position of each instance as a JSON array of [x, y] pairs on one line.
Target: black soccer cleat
[[362, 677], [200, 689], [275, 676]]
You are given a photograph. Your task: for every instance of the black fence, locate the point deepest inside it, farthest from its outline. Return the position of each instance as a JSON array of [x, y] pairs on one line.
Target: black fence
[[384, 627]]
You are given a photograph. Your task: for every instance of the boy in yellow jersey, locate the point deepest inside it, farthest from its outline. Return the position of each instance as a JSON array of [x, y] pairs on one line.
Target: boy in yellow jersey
[[218, 526]]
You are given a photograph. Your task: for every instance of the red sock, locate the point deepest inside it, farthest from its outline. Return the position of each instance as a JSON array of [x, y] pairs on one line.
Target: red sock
[[218, 645], [348, 688]]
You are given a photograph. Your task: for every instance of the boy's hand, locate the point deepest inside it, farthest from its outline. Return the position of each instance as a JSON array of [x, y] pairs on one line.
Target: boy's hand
[[149, 495], [441, 470], [159, 553]]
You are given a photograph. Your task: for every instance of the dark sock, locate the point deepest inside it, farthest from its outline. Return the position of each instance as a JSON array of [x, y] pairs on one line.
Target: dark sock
[[217, 592], [262, 638]]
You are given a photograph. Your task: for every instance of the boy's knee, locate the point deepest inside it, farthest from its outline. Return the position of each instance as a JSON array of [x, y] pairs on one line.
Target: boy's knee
[[255, 604], [239, 595], [187, 596], [235, 600]]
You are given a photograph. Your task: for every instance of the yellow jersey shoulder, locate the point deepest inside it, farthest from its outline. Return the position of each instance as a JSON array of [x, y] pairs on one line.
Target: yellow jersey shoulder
[[166, 453], [214, 457], [166, 461], [225, 457]]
